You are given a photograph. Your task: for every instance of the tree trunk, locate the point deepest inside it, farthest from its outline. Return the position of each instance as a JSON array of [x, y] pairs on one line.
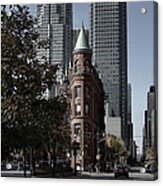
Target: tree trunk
[[25, 171]]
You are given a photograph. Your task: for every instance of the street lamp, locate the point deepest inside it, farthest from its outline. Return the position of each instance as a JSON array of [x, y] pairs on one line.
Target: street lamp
[[68, 158], [68, 155], [100, 151], [98, 157], [78, 168], [75, 146], [98, 162], [8, 166]]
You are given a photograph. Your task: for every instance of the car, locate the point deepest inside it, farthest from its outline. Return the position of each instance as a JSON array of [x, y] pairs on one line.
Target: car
[[151, 169], [121, 170]]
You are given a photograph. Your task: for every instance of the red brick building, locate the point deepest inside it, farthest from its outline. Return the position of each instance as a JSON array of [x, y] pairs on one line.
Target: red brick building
[[87, 105]]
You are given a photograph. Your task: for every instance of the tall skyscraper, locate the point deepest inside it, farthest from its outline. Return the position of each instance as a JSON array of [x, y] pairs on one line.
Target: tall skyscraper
[[150, 126], [108, 40], [55, 26], [130, 143]]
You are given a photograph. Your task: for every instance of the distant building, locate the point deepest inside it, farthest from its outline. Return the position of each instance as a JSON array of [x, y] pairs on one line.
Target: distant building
[[129, 121], [87, 106], [113, 126], [108, 40], [134, 158], [55, 26], [150, 126], [129, 104]]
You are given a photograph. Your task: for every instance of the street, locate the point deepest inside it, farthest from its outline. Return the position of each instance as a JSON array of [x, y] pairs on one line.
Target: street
[[86, 175], [110, 176]]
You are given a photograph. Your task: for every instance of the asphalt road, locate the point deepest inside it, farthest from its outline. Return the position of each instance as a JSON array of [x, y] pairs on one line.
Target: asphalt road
[[86, 175], [110, 176]]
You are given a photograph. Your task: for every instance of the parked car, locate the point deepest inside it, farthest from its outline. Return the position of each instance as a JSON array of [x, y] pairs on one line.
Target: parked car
[[121, 170], [151, 168]]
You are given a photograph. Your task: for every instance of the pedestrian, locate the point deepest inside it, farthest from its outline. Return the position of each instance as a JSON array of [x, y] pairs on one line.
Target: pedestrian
[[96, 168], [91, 167]]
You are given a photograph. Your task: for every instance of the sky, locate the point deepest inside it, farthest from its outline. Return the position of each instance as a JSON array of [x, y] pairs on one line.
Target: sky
[[80, 13], [140, 60], [140, 55]]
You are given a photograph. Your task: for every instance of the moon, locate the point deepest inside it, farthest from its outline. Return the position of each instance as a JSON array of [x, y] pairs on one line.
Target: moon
[[143, 10]]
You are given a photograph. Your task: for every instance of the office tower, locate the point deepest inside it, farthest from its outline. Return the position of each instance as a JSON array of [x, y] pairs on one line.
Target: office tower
[[150, 127], [129, 104], [130, 143], [87, 108], [108, 40], [55, 26]]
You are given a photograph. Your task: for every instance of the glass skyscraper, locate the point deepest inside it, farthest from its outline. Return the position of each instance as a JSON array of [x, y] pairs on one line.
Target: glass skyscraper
[[55, 25], [108, 40]]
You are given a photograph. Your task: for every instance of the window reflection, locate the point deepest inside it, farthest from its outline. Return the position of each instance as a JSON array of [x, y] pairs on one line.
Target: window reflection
[[77, 109]]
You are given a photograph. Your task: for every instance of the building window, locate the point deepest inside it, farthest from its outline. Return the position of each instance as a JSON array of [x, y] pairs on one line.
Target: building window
[[77, 69], [77, 66], [87, 91], [87, 129], [77, 129], [77, 91], [77, 109], [86, 66], [87, 109]]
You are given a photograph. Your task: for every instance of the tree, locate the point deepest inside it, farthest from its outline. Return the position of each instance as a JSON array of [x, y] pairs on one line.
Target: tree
[[28, 119], [150, 157], [116, 147]]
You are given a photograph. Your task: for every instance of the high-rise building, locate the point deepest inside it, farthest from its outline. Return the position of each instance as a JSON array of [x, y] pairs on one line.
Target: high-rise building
[[150, 126], [129, 104], [87, 107], [108, 40], [55, 26], [129, 120]]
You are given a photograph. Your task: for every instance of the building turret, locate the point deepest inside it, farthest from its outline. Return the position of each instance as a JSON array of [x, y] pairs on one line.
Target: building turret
[[82, 44]]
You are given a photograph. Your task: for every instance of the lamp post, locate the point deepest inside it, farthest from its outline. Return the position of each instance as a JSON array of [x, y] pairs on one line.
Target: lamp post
[[75, 146], [74, 153], [68, 159], [100, 152], [54, 157], [98, 162]]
